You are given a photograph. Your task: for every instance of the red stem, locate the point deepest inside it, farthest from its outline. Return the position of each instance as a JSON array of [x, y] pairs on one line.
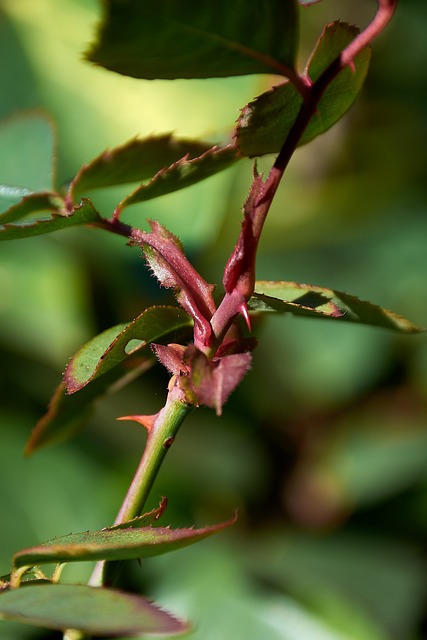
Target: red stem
[[232, 303], [384, 14], [385, 11]]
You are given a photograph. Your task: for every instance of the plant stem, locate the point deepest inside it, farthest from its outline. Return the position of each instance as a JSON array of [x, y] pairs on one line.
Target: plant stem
[[160, 437], [167, 423], [313, 92]]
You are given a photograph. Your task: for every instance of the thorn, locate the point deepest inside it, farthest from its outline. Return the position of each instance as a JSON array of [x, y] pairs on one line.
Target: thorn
[[244, 311], [146, 421]]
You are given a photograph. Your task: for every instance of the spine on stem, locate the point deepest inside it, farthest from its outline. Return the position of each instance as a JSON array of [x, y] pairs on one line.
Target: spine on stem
[[162, 429]]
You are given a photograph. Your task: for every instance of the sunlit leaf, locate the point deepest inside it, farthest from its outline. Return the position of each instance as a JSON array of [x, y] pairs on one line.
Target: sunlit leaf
[[109, 348], [183, 173], [193, 39], [114, 544], [321, 302], [84, 214], [361, 311], [137, 160], [265, 123], [291, 297], [11, 195], [29, 203], [95, 611]]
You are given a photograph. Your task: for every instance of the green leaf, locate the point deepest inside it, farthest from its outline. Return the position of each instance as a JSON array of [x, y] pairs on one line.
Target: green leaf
[[114, 544], [144, 520], [111, 347], [321, 302], [141, 521], [291, 297], [343, 91], [22, 171], [84, 214], [134, 161], [265, 123], [182, 174], [29, 203], [11, 195], [95, 611], [193, 39], [112, 364]]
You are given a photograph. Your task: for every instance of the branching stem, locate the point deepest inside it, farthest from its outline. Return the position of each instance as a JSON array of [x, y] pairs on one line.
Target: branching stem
[[313, 95], [167, 423]]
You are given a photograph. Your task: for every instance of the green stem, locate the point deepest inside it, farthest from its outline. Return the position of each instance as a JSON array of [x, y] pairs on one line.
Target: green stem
[[160, 437]]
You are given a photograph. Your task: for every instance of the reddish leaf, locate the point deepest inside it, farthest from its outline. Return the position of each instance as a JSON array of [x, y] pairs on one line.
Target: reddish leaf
[[172, 357], [239, 273], [213, 381], [166, 258]]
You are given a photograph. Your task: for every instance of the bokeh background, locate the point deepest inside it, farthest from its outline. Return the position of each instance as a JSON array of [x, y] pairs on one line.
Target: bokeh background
[[323, 448]]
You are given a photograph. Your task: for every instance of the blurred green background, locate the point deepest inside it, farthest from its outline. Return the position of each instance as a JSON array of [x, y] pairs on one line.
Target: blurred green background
[[323, 448]]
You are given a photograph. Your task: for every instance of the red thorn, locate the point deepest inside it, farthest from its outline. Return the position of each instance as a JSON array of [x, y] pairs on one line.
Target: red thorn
[[244, 311], [146, 421]]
